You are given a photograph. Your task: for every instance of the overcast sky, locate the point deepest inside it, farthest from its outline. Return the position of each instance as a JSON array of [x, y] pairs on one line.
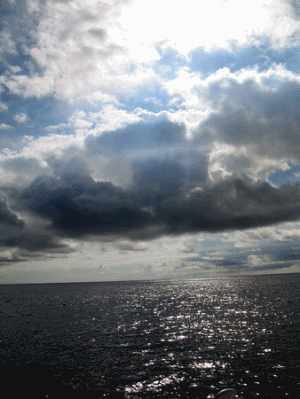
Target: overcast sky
[[148, 139]]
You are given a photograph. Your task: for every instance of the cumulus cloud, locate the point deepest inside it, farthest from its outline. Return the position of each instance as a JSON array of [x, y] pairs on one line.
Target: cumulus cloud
[[148, 179], [77, 206], [252, 119]]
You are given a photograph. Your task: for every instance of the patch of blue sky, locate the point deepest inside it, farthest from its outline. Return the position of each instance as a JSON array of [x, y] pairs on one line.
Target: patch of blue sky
[[170, 62], [208, 62], [20, 64], [152, 98], [280, 177], [40, 114]]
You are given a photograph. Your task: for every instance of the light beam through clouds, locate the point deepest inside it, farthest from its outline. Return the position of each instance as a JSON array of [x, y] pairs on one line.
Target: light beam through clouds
[[148, 139]]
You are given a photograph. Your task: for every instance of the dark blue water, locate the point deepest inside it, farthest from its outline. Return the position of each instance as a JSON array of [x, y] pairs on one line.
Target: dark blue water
[[174, 339]]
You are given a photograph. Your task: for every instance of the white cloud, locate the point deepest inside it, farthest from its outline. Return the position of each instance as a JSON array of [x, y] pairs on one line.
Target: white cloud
[[281, 233], [7, 43], [65, 141], [248, 120], [4, 126], [112, 118], [19, 168], [26, 86], [15, 69], [258, 260], [76, 54], [20, 118]]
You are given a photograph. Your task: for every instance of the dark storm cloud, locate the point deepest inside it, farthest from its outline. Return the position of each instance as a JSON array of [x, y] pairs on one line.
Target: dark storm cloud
[[158, 204], [33, 243], [77, 205], [31, 246], [7, 217], [231, 204], [18, 242]]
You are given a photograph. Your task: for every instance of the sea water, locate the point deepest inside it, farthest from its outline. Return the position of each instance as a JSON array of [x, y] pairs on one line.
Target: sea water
[[173, 339]]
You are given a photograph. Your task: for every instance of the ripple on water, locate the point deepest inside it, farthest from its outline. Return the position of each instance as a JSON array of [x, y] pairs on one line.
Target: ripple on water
[[158, 337]]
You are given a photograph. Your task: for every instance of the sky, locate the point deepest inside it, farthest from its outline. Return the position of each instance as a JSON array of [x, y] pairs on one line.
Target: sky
[[148, 139]]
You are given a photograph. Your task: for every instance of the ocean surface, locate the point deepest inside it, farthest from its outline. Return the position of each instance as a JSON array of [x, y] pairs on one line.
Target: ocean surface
[[171, 339]]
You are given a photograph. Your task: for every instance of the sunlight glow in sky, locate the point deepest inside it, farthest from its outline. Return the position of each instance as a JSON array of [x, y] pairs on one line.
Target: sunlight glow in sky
[[147, 140]]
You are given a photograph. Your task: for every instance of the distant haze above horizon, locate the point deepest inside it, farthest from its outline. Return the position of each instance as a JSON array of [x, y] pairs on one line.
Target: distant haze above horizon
[[146, 140]]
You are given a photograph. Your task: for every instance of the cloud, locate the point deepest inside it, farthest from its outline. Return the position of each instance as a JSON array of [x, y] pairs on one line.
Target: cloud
[[20, 118], [147, 178], [139, 136], [231, 204], [246, 260], [251, 125], [281, 233], [7, 43], [27, 166], [18, 171], [4, 126], [73, 50], [7, 217], [104, 167], [80, 206], [129, 246], [33, 243], [258, 260], [23, 237], [77, 206]]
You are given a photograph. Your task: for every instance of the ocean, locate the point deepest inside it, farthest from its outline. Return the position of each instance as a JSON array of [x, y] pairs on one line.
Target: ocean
[[152, 339]]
